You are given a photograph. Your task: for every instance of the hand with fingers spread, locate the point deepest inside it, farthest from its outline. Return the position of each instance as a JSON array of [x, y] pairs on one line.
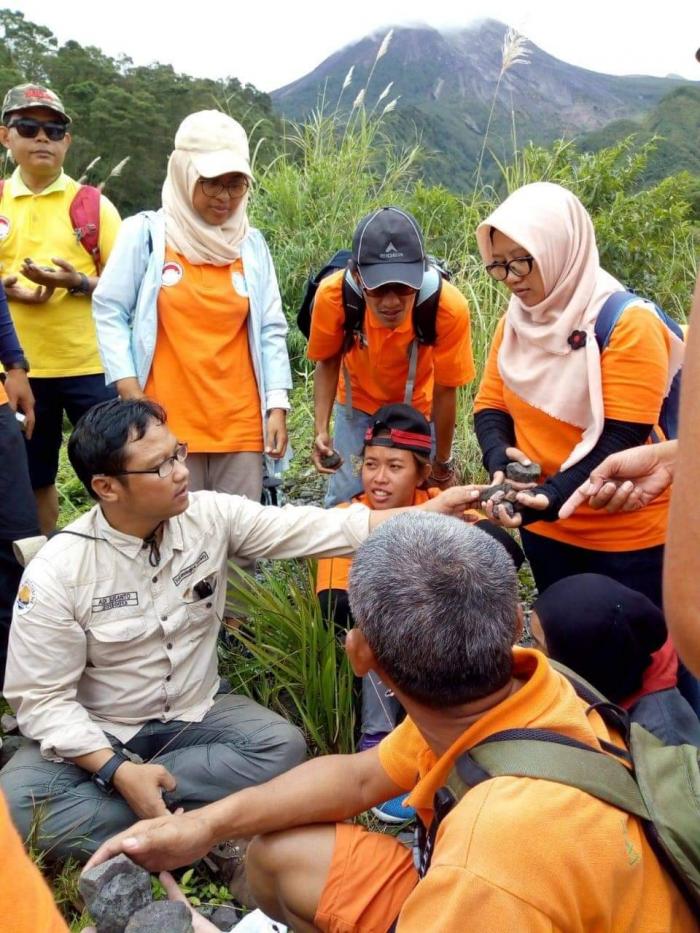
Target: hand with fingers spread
[[626, 481], [26, 296], [64, 276], [142, 786], [164, 843]]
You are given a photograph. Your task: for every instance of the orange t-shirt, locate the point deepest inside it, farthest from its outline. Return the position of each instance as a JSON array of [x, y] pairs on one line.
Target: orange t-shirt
[[528, 854], [379, 371], [3, 394], [26, 904], [634, 371], [202, 371]]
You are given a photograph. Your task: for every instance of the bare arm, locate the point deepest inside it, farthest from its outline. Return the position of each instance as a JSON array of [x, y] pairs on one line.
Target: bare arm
[[324, 790], [682, 558], [325, 387], [444, 419]]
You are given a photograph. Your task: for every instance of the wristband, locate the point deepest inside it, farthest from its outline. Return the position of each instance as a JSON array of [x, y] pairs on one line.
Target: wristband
[[104, 777], [83, 288]]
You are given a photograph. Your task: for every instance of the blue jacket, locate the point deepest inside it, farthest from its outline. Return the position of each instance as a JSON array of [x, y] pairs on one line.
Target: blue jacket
[[125, 308]]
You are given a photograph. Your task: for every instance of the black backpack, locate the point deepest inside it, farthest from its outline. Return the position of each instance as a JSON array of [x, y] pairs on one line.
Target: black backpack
[[424, 310]]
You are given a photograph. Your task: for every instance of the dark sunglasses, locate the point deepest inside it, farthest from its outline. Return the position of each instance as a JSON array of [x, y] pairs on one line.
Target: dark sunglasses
[[398, 288], [29, 129]]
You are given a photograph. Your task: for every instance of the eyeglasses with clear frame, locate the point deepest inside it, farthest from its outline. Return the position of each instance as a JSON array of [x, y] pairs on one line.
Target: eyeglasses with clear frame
[[520, 267], [235, 188], [163, 470]]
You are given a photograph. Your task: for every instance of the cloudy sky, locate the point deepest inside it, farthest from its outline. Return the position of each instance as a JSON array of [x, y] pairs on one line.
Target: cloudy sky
[[273, 42]]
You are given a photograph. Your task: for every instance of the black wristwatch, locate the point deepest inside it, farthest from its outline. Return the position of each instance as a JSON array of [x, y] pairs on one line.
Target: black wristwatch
[[20, 363], [83, 288], [103, 777]]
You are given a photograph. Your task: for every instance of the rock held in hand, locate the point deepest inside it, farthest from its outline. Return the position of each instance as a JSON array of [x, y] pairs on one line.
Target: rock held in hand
[[331, 461], [162, 917], [522, 472], [115, 890]]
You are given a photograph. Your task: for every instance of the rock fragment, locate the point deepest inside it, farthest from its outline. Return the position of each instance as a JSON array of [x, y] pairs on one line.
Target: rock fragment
[[115, 890]]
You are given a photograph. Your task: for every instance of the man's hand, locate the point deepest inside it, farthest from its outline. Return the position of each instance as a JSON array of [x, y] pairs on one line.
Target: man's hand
[[276, 433], [26, 296], [21, 397], [323, 448], [64, 276], [164, 843], [626, 481], [454, 501], [129, 388], [142, 786]]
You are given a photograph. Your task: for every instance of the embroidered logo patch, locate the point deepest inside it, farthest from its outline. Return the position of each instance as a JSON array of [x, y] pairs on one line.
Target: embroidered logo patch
[[4, 227], [26, 597], [190, 569], [171, 274], [240, 284], [115, 601]]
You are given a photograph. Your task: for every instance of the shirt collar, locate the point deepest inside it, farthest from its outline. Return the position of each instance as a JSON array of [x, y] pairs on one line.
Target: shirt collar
[[18, 189], [130, 545]]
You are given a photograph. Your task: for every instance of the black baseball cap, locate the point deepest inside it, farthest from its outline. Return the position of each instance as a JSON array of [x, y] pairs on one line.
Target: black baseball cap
[[400, 426], [388, 247]]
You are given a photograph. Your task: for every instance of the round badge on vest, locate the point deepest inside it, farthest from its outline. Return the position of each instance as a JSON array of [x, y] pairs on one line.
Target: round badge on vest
[[171, 274], [240, 284], [4, 227]]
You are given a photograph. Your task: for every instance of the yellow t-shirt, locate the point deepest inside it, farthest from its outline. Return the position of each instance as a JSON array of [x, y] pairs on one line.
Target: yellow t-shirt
[[58, 337]]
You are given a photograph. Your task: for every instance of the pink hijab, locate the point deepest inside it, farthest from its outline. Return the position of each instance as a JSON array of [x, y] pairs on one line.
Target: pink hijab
[[535, 359]]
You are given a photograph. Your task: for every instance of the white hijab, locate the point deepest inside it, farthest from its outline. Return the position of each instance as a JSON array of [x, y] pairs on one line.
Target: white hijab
[[535, 359], [185, 231]]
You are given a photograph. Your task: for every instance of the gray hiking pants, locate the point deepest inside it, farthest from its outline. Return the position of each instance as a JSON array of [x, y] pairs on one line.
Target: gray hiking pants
[[238, 743]]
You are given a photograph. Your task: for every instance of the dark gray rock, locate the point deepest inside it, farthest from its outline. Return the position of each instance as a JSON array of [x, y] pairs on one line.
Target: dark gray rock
[[162, 917], [115, 890], [504, 494], [331, 461], [225, 918], [520, 473]]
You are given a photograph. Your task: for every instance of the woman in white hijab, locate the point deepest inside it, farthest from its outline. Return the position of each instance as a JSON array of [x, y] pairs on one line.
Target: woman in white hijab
[[189, 312], [550, 395]]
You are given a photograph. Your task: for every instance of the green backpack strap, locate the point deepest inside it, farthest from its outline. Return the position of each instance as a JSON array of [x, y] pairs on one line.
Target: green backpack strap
[[550, 756]]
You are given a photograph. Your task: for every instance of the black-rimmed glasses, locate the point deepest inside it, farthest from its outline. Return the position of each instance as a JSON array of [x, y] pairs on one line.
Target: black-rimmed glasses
[[28, 128], [235, 188], [164, 469], [520, 267]]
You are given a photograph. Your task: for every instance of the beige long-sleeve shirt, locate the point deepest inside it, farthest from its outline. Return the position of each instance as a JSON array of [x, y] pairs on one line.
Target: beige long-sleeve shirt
[[101, 641]]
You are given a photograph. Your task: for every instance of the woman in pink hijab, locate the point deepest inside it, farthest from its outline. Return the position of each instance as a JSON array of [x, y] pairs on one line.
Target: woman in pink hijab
[[549, 394]]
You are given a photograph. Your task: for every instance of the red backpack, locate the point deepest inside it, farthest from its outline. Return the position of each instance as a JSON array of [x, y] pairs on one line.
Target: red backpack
[[84, 214]]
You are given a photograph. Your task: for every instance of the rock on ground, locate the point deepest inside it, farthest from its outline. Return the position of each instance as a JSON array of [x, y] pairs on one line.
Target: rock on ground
[[115, 890], [162, 917]]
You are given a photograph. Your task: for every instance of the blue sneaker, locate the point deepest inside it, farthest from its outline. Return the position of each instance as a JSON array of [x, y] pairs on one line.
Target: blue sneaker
[[394, 811]]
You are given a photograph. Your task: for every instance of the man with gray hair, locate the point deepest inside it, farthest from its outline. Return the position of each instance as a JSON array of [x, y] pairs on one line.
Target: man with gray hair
[[436, 609]]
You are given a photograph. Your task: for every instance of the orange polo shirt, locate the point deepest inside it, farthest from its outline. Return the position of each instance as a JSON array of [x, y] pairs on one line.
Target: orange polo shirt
[[202, 370], [379, 371], [524, 854], [26, 904], [634, 371]]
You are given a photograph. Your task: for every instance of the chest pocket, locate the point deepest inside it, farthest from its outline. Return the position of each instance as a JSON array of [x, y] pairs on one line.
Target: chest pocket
[[115, 641]]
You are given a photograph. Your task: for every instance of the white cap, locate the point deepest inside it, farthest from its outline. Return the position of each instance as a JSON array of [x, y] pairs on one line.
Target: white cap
[[215, 142]]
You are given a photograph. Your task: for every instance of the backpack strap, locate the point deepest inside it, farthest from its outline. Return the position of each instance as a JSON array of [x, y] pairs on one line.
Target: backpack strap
[[550, 756], [425, 308], [85, 217], [609, 315]]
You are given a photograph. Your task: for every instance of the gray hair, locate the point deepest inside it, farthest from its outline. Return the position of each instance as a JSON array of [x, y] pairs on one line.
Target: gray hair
[[437, 602]]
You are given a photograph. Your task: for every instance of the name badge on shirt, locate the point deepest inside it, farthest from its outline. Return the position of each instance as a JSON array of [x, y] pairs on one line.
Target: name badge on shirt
[[171, 274], [4, 227]]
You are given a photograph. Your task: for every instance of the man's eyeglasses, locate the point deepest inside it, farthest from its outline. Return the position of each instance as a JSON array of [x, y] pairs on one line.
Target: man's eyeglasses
[[235, 188], [163, 469], [520, 267], [398, 288], [29, 129]]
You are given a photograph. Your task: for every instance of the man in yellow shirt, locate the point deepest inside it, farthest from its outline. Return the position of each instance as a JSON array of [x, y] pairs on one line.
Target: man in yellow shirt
[[49, 278], [435, 603]]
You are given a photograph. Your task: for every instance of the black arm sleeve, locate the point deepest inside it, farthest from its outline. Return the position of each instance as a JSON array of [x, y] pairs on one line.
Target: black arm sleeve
[[10, 349], [616, 436], [494, 432]]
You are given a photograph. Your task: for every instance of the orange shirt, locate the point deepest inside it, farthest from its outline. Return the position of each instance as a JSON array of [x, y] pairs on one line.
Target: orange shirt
[[26, 905], [634, 371], [523, 854], [378, 372], [202, 371], [3, 394]]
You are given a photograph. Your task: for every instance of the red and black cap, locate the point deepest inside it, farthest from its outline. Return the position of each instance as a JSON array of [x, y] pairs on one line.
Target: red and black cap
[[400, 426]]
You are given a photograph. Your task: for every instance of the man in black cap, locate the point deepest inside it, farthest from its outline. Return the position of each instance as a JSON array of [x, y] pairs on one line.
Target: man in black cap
[[410, 342]]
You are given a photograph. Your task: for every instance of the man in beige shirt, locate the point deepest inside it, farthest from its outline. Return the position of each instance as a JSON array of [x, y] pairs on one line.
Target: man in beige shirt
[[112, 664]]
